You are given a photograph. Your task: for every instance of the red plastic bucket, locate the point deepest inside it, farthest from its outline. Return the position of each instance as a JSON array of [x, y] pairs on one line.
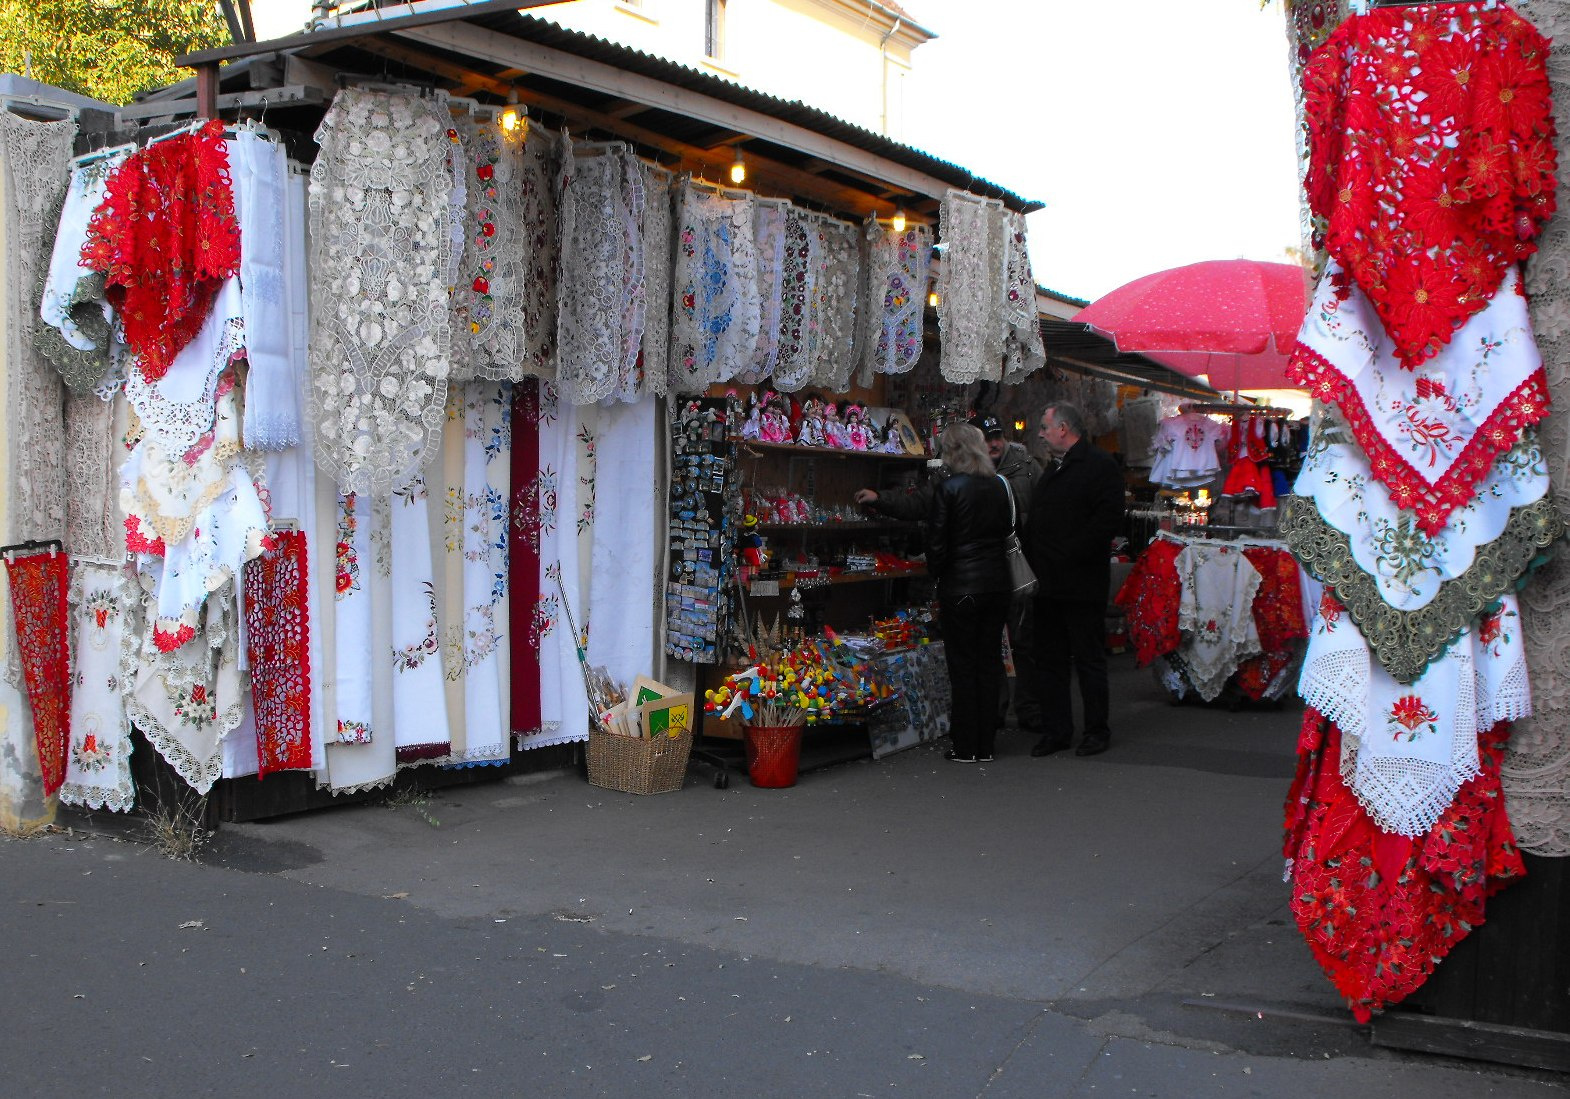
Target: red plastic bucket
[[773, 754]]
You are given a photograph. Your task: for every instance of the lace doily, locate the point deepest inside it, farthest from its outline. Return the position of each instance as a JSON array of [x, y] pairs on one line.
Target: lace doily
[[1409, 747], [657, 280], [488, 300], [1023, 352], [971, 292], [40, 587], [1432, 159], [1536, 770], [1431, 432], [1215, 610], [36, 158], [600, 292], [98, 764], [165, 239], [897, 293], [768, 230], [75, 312], [542, 248], [186, 700], [714, 287], [795, 361], [839, 279], [277, 639], [381, 247], [269, 237]]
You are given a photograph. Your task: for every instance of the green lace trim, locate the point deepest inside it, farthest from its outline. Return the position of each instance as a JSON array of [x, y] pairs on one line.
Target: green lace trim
[[81, 370], [1406, 642]]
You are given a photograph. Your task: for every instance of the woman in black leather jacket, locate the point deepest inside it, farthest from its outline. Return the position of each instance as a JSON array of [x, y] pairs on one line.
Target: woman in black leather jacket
[[967, 528]]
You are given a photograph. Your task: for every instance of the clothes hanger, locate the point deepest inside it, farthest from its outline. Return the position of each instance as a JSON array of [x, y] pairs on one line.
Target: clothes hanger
[[103, 154]]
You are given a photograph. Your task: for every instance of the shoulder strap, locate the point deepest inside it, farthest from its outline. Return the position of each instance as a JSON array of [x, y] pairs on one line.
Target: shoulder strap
[[1009, 490]]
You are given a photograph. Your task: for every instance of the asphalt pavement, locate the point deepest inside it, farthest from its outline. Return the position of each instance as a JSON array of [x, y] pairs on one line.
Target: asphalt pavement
[[1113, 925]]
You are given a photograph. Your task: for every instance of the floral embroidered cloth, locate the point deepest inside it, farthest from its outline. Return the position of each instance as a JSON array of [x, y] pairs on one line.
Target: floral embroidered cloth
[[1379, 911], [98, 765], [1432, 160], [523, 558], [1023, 352], [1407, 748], [795, 361], [351, 658], [1432, 432], [715, 306], [381, 256], [1410, 593], [73, 300], [277, 641], [165, 239], [1216, 613], [40, 587], [972, 287], [1150, 596], [177, 409], [542, 244]]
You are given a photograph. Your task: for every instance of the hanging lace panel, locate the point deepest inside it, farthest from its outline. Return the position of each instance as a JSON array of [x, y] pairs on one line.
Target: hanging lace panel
[[542, 247], [897, 294], [1536, 769], [971, 289], [36, 156], [94, 443], [714, 311], [381, 249], [165, 238], [839, 279], [277, 640], [657, 281], [768, 230], [1432, 160], [77, 317], [796, 359], [40, 589], [488, 300], [600, 305], [1023, 352], [98, 764]]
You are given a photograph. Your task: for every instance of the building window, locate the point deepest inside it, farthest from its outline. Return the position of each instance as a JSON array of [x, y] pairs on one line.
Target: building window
[[714, 28]]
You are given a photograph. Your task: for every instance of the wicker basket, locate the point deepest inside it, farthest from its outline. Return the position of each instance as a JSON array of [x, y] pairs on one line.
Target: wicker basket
[[637, 765]]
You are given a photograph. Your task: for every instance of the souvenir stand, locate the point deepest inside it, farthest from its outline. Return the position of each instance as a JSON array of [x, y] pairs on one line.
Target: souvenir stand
[[1432, 763], [345, 486]]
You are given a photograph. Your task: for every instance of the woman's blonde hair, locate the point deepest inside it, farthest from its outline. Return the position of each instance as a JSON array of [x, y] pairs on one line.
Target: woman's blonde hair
[[963, 449]]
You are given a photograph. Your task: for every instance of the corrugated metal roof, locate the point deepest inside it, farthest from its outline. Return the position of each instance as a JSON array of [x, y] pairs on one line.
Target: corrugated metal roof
[[1078, 348], [504, 19]]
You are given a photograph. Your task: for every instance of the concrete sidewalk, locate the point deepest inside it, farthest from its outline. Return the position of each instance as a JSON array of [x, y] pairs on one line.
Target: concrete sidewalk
[[1055, 927]]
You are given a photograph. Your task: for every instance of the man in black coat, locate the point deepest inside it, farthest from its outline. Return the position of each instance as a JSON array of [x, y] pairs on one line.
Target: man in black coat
[[1075, 512]]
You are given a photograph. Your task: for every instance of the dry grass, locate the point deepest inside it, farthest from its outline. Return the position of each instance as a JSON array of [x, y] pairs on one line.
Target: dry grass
[[175, 828]]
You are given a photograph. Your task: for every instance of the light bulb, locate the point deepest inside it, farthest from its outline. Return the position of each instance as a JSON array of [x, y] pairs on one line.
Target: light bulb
[[738, 168], [897, 222], [1019, 425], [932, 299], [510, 119]]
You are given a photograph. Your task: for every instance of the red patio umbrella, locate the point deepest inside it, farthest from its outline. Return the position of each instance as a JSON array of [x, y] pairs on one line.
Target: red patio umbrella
[[1234, 320]]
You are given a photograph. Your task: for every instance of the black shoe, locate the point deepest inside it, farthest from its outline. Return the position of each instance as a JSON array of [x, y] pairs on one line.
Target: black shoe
[[1046, 747], [954, 758], [1091, 748]]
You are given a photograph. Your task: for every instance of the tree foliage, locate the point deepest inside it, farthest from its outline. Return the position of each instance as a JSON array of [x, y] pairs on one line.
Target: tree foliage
[[108, 49]]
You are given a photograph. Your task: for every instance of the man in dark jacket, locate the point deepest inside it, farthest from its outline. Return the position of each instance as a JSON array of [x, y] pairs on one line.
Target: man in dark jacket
[[1076, 511]]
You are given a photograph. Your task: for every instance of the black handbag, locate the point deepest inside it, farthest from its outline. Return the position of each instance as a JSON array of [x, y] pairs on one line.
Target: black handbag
[[1021, 577]]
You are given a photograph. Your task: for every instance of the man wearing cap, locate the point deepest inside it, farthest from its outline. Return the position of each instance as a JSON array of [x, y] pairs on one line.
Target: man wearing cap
[[1016, 466], [1077, 510]]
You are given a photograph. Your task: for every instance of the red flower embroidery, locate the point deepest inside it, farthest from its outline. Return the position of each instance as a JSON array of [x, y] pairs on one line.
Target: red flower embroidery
[[488, 229], [1411, 713], [198, 694], [482, 285], [485, 171]]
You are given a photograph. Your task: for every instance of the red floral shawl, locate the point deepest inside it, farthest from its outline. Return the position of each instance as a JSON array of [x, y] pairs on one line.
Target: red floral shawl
[[1432, 160], [165, 238]]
